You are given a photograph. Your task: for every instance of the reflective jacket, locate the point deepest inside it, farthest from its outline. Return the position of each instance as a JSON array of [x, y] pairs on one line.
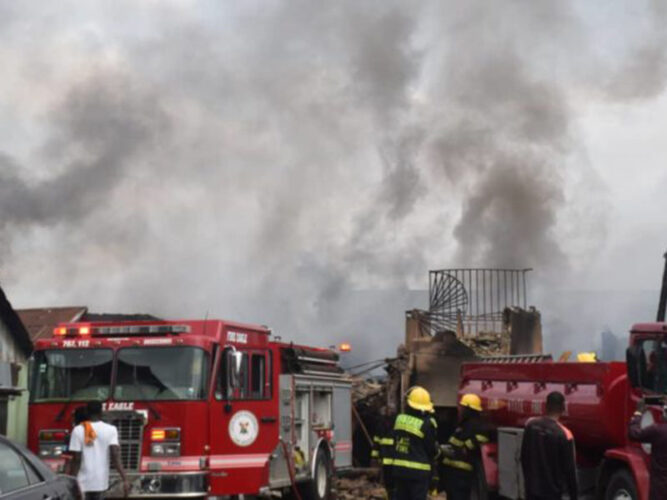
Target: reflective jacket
[[383, 441], [464, 444], [414, 445]]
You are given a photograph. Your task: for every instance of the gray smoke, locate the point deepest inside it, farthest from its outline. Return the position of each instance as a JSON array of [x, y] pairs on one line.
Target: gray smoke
[[272, 162]]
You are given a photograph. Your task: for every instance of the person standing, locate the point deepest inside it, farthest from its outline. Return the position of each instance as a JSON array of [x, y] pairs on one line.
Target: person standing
[[462, 450], [656, 435], [383, 445], [91, 446], [548, 454], [415, 447]]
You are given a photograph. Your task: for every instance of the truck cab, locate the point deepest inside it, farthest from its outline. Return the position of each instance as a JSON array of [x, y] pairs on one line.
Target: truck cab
[[202, 407]]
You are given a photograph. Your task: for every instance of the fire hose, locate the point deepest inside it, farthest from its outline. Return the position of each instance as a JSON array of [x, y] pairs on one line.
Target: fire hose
[[290, 469]]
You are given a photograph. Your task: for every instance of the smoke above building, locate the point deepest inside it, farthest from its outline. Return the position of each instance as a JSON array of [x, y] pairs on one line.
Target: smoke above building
[[276, 161]]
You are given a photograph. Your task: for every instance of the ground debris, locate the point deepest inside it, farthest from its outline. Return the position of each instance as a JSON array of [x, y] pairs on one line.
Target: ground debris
[[364, 484], [359, 485]]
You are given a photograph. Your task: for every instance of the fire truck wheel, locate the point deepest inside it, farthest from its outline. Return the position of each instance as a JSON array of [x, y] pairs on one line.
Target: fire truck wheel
[[319, 487], [621, 486]]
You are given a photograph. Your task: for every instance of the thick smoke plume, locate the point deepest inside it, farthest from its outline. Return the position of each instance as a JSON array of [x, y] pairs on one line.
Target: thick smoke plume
[[294, 163]]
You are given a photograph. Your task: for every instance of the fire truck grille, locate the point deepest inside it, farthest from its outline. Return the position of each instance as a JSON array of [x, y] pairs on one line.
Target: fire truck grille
[[130, 432]]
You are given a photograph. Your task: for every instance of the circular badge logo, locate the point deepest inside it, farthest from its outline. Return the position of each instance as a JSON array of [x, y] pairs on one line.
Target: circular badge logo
[[243, 428]]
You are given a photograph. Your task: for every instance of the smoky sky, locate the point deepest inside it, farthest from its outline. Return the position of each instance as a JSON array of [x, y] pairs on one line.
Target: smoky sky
[[275, 161]]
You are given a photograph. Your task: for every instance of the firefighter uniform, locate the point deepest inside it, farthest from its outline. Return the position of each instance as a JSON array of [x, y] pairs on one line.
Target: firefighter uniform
[[462, 450], [414, 447], [383, 445]]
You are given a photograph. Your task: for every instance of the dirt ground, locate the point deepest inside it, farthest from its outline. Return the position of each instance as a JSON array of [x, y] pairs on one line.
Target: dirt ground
[[364, 485]]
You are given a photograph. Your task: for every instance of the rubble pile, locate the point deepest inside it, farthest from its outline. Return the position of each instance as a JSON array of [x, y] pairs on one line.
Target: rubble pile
[[489, 344], [364, 485], [369, 392]]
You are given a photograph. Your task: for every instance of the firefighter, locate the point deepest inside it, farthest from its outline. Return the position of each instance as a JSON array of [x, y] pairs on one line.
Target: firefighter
[[383, 444], [656, 435], [461, 451], [415, 447]]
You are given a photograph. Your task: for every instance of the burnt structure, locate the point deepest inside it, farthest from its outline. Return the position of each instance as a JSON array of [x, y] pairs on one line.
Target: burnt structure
[[473, 313]]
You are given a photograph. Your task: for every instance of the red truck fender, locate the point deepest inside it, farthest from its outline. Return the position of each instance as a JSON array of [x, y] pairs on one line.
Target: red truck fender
[[632, 459]]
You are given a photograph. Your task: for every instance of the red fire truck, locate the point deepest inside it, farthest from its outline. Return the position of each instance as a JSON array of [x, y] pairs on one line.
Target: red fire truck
[[600, 399], [203, 408]]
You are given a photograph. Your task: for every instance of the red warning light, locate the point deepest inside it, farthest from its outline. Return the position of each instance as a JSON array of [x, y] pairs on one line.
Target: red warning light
[[60, 331], [84, 330]]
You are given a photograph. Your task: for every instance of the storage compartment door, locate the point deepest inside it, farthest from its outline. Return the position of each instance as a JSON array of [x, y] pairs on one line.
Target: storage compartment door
[[342, 417]]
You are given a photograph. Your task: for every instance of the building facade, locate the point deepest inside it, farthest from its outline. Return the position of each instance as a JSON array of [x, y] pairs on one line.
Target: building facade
[[15, 350]]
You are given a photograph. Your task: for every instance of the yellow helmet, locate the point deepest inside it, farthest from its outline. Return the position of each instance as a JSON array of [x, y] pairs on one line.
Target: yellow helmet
[[420, 399], [472, 401]]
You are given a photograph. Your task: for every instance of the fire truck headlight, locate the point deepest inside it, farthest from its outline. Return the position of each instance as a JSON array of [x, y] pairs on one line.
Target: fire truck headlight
[[50, 450], [52, 443], [166, 449], [166, 442]]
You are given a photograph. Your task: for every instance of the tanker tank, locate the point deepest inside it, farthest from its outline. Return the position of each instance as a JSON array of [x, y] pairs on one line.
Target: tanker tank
[[595, 397]]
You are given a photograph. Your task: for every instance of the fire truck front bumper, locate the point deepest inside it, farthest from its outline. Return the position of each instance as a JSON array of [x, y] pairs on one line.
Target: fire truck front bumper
[[161, 485]]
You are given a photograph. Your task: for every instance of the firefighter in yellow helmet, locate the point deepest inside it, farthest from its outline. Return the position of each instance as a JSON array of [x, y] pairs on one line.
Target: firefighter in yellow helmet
[[415, 447], [462, 450]]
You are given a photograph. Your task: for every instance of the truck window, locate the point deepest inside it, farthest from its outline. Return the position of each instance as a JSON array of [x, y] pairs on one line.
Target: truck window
[[257, 376], [71, 374], [161, 373], [654, 366], [254, 380]]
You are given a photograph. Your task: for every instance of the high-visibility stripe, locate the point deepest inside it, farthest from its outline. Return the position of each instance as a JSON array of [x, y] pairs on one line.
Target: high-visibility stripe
[[408, 464], [457, 464], [481, 438], [387, 461], [386, 441], [409, 429], [470, 444], [434, 423], [375, 454], [376, 439], [456, 442], [409, 424]]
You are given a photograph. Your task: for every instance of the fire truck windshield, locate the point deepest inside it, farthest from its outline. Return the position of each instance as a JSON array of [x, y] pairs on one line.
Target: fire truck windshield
[[161, 373], [72, 375]]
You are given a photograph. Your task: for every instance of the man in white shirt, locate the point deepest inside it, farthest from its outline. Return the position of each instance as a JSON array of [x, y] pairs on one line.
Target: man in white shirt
[[91, 445]]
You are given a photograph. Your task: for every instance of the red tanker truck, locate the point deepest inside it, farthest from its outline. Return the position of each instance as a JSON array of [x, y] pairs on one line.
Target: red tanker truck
[[600, 399]]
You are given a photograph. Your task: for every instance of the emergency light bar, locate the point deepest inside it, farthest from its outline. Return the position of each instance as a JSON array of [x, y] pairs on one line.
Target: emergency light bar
[[120, 330]]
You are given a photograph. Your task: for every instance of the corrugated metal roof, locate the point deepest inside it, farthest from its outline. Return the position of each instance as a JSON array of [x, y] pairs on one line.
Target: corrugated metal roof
[[40, 322]]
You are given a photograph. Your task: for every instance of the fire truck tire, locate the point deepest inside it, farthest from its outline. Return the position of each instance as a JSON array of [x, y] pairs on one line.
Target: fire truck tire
[[319, 487], [621, 486]]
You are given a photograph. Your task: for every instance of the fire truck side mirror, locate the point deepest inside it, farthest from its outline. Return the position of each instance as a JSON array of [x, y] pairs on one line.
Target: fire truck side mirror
[[234, 362], [635, 367]]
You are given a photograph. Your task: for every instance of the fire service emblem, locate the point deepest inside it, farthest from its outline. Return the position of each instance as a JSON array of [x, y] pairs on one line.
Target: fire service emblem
[[243, 428]]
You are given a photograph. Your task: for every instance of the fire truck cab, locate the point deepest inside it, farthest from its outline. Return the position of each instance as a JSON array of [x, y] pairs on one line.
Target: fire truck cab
[[202, 408]]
